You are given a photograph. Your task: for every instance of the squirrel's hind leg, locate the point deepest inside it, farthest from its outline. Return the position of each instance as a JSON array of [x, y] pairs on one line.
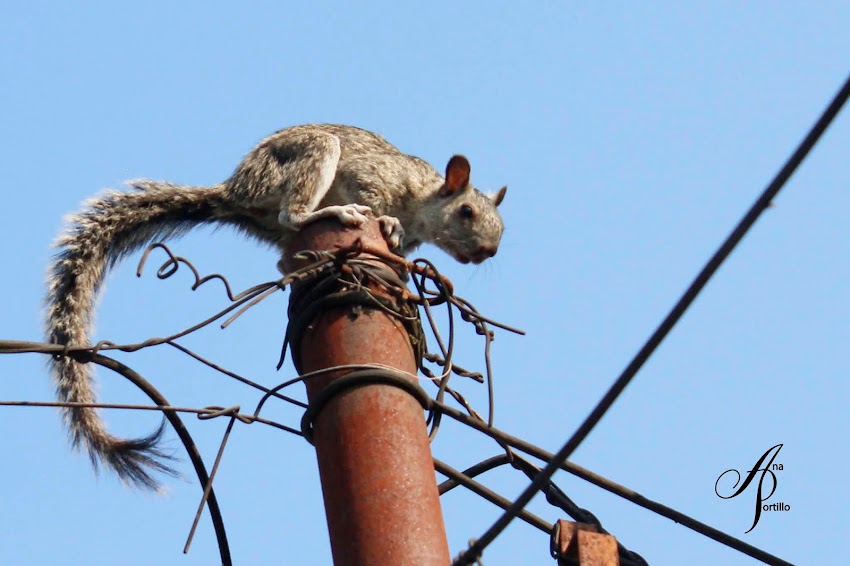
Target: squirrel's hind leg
[[309, 177]]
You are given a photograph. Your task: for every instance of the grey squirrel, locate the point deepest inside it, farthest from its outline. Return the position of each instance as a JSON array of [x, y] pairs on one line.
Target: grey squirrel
[[291, 178]]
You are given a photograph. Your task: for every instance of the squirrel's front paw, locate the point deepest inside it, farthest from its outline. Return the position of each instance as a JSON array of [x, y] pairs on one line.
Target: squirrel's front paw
[[352, 214], [347, 214], [393, 232]]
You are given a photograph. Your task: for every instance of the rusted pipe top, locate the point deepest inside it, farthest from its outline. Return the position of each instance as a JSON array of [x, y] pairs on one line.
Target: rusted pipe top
[[329, 234]]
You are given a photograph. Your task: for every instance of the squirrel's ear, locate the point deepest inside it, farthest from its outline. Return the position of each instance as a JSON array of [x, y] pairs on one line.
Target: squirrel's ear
[[457, 175], [500, 196]]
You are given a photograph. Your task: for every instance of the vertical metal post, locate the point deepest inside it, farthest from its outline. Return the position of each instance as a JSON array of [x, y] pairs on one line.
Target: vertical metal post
[[375, 464]]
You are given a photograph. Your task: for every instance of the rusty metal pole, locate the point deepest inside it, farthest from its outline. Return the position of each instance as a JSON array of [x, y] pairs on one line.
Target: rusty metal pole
[[371, 441]]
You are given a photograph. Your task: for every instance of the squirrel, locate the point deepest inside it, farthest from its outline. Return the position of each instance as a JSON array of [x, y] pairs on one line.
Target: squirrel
[[289, 179]]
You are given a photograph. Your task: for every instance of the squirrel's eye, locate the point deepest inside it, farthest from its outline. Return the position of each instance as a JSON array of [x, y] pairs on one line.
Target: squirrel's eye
[[466, 211]]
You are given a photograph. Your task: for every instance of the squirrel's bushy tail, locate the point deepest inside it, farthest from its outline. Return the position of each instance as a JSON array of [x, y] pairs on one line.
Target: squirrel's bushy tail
[[111, 226]]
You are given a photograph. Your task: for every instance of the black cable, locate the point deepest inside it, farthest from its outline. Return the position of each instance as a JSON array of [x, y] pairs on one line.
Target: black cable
[[188, 443], [666, 325]]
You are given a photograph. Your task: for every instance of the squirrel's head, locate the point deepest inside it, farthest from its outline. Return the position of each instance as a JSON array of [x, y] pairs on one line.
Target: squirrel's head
[[470, 226]]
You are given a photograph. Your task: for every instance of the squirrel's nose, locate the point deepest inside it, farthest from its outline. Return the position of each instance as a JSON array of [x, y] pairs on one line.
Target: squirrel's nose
[[483, 253]]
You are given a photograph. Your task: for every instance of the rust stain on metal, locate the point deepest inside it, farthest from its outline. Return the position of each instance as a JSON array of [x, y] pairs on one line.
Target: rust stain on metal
[[377, 475], [580, 544]]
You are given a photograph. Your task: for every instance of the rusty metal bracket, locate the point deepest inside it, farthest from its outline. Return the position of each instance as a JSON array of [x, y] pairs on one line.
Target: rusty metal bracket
[[580, 544]]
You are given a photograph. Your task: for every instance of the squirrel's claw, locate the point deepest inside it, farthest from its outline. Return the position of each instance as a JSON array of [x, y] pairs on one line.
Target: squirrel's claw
[[393, 232]]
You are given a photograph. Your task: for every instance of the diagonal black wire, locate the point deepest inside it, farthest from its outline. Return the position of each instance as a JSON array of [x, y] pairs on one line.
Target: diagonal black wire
[[188, 443], [602, 482], [476, 548]]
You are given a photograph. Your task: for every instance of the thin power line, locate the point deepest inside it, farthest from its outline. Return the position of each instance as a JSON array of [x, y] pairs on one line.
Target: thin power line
[[666, 325]]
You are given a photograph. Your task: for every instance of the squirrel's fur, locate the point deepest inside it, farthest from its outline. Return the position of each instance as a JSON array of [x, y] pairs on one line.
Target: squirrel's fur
[[291, 178]]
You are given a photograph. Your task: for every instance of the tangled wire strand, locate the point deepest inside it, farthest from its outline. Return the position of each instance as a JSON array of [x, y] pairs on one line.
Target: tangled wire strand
[[432, 290], [324, 269]]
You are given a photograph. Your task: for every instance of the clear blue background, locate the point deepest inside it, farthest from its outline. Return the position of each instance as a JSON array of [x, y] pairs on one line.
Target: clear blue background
[[633, 136]]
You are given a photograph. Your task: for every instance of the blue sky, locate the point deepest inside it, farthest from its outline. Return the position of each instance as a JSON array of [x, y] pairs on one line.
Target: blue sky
[[633, 136]]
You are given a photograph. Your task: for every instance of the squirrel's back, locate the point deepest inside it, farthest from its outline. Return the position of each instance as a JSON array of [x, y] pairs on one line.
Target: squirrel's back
[[290, 178]]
